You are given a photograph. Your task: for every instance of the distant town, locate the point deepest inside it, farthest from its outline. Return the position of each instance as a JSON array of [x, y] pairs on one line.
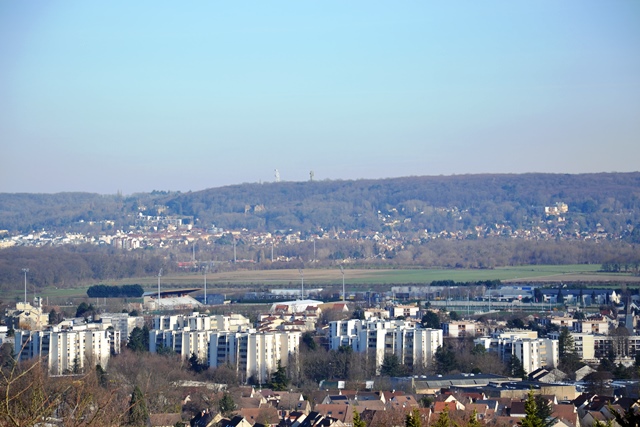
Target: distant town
[[175, 232]]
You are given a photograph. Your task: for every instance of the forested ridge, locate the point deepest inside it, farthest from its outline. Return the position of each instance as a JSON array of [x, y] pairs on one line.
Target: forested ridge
[[611, 199], [306, 206], [468, 221]]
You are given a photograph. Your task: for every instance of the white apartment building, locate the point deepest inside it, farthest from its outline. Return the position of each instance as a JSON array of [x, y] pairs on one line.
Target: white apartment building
[[253, 354], [189, 334], [412, 345], [584, 345], [64, 350], [122, 322], [592, 347], [202, 322], [184, 342], [407, 311], [598, 325], [461, 329], [533, 352], [563, 322]]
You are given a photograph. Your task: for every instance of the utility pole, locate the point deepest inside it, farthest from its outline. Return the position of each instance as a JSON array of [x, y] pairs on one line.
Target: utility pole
[[302, 282], [205, 284], [159, 275], [25, 271], [343, 294]]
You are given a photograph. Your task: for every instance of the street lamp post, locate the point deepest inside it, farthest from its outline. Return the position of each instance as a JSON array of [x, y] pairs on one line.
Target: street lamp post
[[25, 271]]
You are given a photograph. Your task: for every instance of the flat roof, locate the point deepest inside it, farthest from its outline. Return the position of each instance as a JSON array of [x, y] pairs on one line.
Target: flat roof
[[171, 292]]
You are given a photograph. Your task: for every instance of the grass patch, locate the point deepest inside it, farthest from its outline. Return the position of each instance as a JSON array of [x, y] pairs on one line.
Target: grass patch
[[227, 282]]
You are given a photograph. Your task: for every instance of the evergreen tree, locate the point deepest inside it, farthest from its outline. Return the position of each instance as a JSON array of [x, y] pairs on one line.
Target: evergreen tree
[[138, 412], [391, 366], [445, 360], [226, 405], [430, 320], [279, 379], [357, 421], [560, 298], [628, 418], [544, 411], [412, 419], [569, 360], [473, 420], [101, 374], [195, 365], [531, 410], [443, 420], [309, 342], [516, 369], [138, 340]]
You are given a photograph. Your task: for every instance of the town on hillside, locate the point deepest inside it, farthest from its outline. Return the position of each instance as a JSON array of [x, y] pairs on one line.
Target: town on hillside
[[171, 359]]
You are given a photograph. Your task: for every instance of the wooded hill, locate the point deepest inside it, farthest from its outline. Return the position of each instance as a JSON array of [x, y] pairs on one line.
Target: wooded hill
[[434, 203], [468, 221]]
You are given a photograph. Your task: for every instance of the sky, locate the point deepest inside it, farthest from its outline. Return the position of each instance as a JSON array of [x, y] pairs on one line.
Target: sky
[[131, 97]]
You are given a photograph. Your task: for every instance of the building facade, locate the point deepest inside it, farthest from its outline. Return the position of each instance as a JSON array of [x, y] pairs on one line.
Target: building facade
[[533, 352], [412, 345], [68, 351], [253, 354]]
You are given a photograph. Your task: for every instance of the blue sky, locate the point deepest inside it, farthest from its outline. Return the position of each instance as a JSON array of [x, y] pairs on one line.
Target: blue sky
[[136, 96]]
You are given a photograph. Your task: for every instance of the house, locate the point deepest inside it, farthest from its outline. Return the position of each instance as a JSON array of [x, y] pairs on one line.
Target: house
[[518, 409], [547, 375], [451, 406], [263, 415], [565, 415], [237, 421], [341, 412], [403, 402], [482, 410], [206, 419], [591, 417]]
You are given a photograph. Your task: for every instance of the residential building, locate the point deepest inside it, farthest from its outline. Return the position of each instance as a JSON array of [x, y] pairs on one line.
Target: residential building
[[202, 322], [27, 316], [407, 311], [184, 342], [533, 352], [593, 325], [121, 322], [462, 328], [412, 345], [68, 350], [253, 354]]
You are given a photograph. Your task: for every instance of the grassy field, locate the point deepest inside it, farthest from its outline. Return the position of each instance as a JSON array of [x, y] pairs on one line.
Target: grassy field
[[360, 279]]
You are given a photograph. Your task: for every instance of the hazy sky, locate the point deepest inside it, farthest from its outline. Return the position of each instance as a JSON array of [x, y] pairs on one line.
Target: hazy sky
[[143, 95]]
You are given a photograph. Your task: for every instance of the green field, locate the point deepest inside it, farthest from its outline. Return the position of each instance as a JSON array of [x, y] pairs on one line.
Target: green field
[[241, 281], [505, 273]]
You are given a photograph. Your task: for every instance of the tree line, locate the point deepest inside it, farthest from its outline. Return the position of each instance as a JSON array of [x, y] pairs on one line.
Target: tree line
[[68, 266], [106, 291]]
